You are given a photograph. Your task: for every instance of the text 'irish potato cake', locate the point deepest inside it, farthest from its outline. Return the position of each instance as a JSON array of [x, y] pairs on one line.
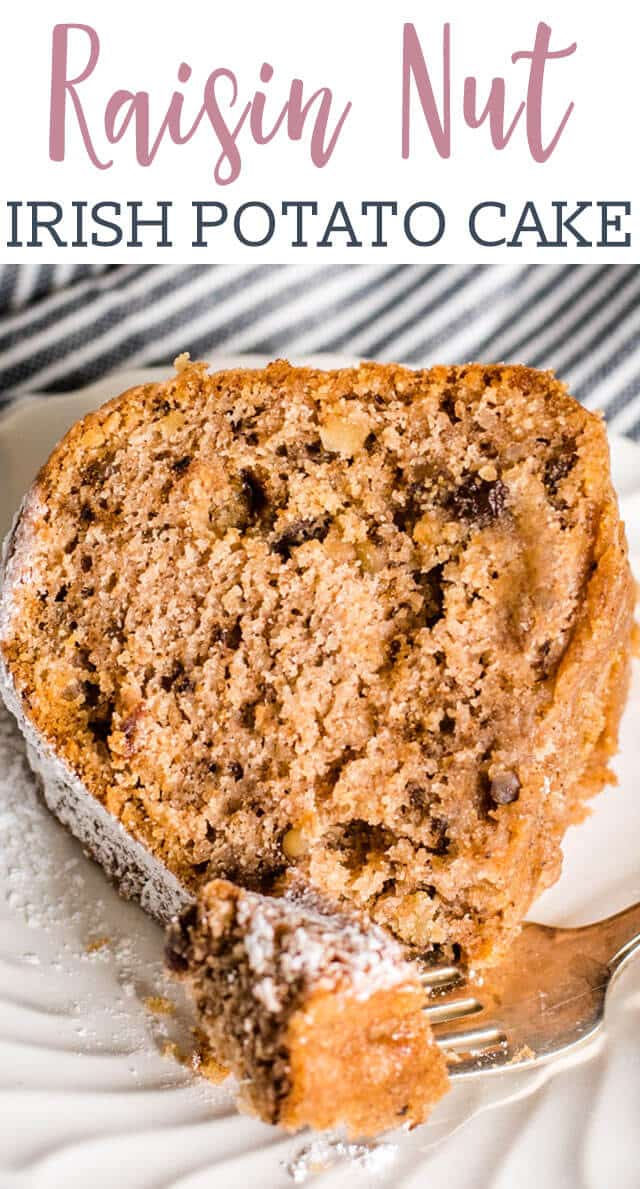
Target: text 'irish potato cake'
[[373, 624]]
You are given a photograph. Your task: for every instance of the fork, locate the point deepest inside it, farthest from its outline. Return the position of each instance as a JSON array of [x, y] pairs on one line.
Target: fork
[[546, 998]]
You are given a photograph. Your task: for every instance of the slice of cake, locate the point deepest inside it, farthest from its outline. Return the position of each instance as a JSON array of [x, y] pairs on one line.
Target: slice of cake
[[372, 624], [318, 1014]]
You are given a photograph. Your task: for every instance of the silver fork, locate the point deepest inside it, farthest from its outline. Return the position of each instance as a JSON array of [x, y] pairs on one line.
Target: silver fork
[[546, 998]]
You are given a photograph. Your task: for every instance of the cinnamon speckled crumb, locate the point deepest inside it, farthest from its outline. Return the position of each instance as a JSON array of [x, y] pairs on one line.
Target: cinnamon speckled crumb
[[159, 1005], [333, 621], [199, 1059], [97, 943], [203, 1061]]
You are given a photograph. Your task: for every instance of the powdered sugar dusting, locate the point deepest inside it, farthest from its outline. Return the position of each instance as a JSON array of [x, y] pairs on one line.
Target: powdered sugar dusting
[[265, 991], [73, 953], [138, 874], [259, 937], [325, 1153], [293, 942]]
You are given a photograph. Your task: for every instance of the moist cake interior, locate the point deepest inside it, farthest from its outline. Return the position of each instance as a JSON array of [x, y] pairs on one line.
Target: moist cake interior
[[292, 618]]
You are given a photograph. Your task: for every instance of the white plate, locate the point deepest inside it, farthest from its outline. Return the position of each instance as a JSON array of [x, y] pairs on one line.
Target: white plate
[[88, 1098]]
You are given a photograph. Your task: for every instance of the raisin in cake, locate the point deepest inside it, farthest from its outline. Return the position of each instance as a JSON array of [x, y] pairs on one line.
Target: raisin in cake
[[371, 624], [317, 1013]]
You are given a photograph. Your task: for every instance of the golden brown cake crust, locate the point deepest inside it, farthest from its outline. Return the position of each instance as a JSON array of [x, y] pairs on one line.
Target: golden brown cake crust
[[370, 1064], [374, 624]]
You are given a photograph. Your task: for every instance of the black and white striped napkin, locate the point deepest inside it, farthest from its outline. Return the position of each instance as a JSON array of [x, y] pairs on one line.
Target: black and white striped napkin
[[63, 326]]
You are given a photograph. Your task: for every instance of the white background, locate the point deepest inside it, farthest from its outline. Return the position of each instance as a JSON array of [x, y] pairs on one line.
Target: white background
[[356, 49]]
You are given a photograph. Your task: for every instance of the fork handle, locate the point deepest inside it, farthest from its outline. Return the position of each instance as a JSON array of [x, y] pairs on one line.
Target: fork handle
[[620, 934]]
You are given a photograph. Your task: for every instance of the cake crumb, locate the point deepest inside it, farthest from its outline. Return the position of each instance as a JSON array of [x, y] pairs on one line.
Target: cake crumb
[[159, 1005], [316, 1012], [200, 1060], [525, 1053], [97, 943], [170, 1049]]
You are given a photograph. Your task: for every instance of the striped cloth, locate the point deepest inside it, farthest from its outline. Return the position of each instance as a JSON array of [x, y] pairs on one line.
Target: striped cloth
[[63, 326]]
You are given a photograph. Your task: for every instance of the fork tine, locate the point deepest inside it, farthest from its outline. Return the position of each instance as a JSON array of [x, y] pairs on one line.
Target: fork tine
[[452, 1009], [545, 997], [436, 976], [454, 998], [451, 995], [470, 1040]]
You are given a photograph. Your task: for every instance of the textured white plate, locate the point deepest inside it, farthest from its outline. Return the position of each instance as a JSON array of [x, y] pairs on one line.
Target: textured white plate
[[87, 1097]]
